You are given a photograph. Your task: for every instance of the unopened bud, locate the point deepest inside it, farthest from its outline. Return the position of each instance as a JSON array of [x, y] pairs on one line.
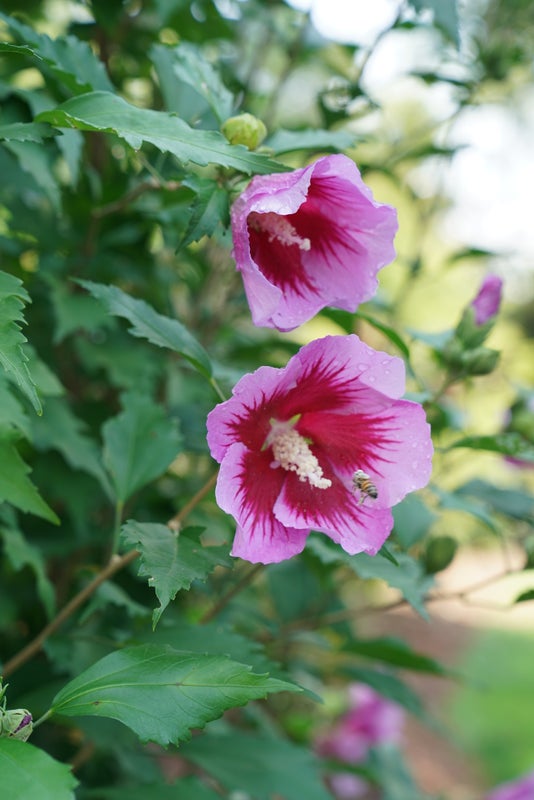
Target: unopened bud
[[16, 723], [480, 361], [244, 129]]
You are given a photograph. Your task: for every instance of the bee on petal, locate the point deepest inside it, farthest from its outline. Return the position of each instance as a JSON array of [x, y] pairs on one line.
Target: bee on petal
[[363, 484]]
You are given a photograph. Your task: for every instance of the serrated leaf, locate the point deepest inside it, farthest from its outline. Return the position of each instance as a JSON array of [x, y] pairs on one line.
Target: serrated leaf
[[12, 414], [13, 297], [396, 652], [284, 141], [103, 111], [170, 560], [187, 64], [16, 488], [59, 429], [508, 444], [161, 693], [139, 444], [210, 209], [28, 771], [259, 766], [20, 554], [26, 132], [408, 576], [70, 59], [190, 788], [148, 324]]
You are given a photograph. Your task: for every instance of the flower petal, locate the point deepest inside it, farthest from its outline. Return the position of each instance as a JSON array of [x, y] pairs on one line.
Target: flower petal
[[247, 488]]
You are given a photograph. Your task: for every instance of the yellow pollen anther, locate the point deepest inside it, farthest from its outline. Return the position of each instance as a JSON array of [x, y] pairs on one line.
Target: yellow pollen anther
[[292, 452], [276, 226]]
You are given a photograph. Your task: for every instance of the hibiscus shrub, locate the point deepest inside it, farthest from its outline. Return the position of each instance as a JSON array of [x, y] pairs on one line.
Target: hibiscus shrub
[[218, 408]]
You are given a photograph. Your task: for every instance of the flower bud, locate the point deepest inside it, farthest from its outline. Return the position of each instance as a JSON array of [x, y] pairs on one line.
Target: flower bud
[[16, 723], [488, 300], [439, 553], [480, 361], [244, 129]]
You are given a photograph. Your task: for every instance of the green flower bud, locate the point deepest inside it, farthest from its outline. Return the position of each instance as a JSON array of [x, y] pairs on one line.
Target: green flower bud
[[439, 553], [16, 724], [245, 129], [480, 361]]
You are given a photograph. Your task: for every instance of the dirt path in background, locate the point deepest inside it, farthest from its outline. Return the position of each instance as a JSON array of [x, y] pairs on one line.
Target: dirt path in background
[[438, 765]]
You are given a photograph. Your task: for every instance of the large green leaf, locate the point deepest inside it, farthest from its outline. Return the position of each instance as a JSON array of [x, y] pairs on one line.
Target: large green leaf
[[172, 560], [13, 297], [413, 519], [15, 486], [26, 771], [26, 131], [37, 161], [512, 502], [185, 63], [258, 766], [21, 553], [71, 60], [148, 324], [139, 444], [161, 693], [103, 111]]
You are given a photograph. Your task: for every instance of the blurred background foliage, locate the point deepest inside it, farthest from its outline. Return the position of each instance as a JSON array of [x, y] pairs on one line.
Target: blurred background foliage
[[423, 107]]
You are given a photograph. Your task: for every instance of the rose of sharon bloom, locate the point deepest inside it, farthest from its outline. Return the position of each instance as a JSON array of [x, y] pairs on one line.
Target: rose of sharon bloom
[[488, 300], [290, 440], [308, 239], [370, 720], [521, 789]]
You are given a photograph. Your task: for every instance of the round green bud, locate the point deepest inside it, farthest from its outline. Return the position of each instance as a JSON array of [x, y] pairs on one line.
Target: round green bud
[[244, 129]]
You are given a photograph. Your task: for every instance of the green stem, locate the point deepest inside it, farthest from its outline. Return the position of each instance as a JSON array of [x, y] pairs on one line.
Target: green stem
[[42, 719], [218, 391], [119, 508]]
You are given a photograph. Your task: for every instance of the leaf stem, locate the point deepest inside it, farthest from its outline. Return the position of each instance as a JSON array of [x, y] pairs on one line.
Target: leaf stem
[[115, 564], [247, 578]]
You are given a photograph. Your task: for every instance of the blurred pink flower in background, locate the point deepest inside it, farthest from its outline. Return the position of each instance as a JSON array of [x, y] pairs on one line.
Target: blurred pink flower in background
[[290, 440], [488, 300], [520, 789], [370, 720], [310, 238]]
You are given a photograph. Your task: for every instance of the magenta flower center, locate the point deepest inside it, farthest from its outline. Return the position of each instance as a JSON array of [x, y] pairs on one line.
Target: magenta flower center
[[292, 452], [277, 228]]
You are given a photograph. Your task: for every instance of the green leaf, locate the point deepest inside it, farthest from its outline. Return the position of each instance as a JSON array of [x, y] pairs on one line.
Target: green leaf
[[284, 141], [26, 132], [512, 502], [172, 560], [392, 775], [185, 63], [36, 160], [210, 209], [388, 332], [139, 444], [508, 444], [18, 49], [71, 60], [445, 16], [15, 486], [524, 597], [20, 554], [407, 576], [190, 788], [13, 297], [102, 111], [161, 693], [258, 766], [413, 519], [148, 324], [59, 429], [12, 415], [456, 502], [28, 772], [396, 652]]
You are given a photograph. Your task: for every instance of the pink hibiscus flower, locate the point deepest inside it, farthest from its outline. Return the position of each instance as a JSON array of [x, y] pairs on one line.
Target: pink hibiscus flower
[[521, 789], [488, 300], [290, 441], [308, 239]]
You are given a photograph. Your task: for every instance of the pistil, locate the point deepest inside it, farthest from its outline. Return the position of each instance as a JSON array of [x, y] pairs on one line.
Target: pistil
[[277, 227], [292, 452]]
